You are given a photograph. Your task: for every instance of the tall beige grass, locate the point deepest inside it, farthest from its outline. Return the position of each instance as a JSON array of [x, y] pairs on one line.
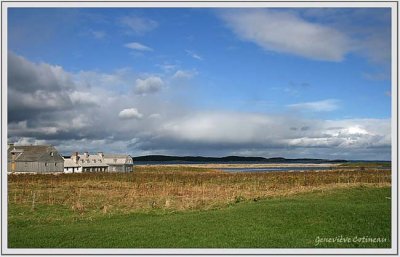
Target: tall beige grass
[[174, 188]]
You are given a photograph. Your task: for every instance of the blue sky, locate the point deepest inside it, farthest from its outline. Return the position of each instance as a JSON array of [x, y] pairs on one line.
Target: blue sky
[[291, 82]]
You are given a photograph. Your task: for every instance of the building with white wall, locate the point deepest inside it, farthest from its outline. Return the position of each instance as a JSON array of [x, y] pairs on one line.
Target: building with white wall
[[99, 162]]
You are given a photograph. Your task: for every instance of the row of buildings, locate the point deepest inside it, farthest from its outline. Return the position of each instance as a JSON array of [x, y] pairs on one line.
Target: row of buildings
[[46, 159]]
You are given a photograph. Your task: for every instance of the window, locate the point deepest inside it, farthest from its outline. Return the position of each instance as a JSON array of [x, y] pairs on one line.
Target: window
[[45, 164]]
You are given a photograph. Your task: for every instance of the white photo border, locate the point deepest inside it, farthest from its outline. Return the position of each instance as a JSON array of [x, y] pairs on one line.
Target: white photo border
[[201, 4]]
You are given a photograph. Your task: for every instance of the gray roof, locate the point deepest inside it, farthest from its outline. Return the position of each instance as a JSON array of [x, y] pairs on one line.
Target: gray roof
[[35, 153], [69, 163], [117, 159], [86, 165]]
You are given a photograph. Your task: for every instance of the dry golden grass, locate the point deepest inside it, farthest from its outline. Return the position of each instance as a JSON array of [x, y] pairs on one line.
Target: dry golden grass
[[248, 165], [174, 188]]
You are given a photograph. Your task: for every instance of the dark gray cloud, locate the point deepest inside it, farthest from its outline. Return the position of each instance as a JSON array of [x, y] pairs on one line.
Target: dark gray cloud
[[34, 89]]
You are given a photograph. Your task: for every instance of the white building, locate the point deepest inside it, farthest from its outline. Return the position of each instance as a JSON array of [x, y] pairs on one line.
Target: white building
[[98, 163], [118, 162], [71, 166]]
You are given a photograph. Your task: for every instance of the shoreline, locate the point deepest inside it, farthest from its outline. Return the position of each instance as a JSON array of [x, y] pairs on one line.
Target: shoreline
[[244, 165]]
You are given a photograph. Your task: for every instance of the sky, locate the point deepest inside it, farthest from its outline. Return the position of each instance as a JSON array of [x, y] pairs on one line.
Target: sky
[[287, 82]]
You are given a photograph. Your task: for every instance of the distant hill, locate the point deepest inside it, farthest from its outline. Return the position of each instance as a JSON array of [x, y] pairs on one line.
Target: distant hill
[[166, 158]]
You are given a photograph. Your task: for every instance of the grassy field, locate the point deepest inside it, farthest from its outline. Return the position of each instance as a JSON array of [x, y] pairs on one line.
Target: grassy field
[[367, 165], [192, 207]]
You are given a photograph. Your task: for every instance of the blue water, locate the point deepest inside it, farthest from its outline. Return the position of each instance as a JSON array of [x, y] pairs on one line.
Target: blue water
[[258, 169], [274, 169], [150, 163]]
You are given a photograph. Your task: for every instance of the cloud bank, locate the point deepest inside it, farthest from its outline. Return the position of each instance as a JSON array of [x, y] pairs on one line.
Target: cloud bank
[[83, 111]]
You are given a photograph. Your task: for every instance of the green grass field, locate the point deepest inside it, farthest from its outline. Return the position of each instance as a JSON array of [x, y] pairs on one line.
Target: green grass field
[[293, 221]]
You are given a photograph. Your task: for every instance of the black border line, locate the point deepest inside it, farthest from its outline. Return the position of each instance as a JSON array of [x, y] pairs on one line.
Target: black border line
[[180, 254]]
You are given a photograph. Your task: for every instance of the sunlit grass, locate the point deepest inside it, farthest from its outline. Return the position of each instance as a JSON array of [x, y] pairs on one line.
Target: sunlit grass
[[280, 222]]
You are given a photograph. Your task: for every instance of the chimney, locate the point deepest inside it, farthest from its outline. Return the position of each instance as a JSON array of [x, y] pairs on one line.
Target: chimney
[[85, 155], [75, 157], [100, 154]]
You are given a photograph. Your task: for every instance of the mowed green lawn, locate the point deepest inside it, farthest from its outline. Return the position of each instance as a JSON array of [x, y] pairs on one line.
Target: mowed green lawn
[[284, 222]]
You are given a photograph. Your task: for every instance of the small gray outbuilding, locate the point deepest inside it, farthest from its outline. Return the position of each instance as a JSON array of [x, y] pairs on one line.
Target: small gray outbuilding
[[34, 159]]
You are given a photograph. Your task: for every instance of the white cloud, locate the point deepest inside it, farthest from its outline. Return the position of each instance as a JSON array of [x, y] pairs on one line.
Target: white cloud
[[347, 134], [184, 74], [318, 106], [155, 116], [382, 75], [194, 55], [286, 32], [29, 141], [131, 113], [220, 128], [137, 46], [149, 85], [139, 25], [356, 130], [88, 79], [79, 97], [167, 67], [98, 34]]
